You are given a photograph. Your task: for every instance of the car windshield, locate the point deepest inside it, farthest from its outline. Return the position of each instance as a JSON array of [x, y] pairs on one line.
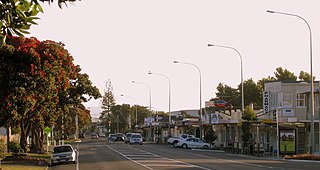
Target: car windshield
[[61, 149], [136, 136], [119, 134], [129, 135]]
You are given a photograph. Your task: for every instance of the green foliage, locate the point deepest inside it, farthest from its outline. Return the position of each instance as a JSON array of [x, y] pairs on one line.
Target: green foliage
[[17, 16], [284, 75], [210, 136], [249, 114], [15, 147], [2, 149], [39, 82], [245, 128], [229, 94], [108, 101], [251, 93], [304, 76]]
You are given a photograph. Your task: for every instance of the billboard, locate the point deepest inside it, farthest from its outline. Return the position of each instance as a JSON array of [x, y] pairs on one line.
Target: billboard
[[287, 141]]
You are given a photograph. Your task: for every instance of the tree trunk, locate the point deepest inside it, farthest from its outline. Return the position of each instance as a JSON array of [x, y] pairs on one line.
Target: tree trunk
[[37, 139], [23, 138]]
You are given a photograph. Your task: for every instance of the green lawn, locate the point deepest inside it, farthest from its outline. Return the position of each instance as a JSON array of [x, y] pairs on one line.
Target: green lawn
[[23, 167]]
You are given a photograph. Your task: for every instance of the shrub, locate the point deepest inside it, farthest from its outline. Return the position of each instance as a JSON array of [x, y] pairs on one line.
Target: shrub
[[2, 148], [15, 147]]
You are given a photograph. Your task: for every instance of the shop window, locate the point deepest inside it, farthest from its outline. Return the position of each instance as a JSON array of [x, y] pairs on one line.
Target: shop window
[[301, 100]]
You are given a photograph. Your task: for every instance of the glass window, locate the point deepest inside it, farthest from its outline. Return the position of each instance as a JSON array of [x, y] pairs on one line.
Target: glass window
[[301, 100]]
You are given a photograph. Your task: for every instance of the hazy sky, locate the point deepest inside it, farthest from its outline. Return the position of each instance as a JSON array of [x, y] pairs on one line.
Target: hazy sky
[[122, 40]]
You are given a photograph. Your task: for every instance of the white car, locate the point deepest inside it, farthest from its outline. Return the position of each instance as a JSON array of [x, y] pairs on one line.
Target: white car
[[193, 143], [136, 138], [63, 153]]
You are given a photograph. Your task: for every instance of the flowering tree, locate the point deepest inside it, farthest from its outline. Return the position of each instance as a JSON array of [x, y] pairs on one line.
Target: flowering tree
[[36, 78]]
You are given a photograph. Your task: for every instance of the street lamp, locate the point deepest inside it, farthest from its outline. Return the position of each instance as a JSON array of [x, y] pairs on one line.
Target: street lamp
[[169, 97], [136, 109], [242, 92], [200, 110], [311, 74], [143, 83]]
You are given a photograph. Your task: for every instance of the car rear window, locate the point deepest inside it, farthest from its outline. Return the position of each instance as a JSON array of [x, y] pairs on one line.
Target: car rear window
[[136, 136], [62, 149]]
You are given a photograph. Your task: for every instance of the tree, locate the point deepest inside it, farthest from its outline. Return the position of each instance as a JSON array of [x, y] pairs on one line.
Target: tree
[[248, 117], [304, 76], [229, 94], [108, 101], [17, 16], [120, 113], [284, 75], [35, 78], [210, 136], [252, 93]]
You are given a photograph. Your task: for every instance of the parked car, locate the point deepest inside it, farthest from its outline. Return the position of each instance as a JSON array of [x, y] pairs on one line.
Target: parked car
[[81, 135], [102, 135], [128, 136], [174, 140], [94, 136], [193, 143], [120, 137], [63, 153], [112, 137], [136, 138]]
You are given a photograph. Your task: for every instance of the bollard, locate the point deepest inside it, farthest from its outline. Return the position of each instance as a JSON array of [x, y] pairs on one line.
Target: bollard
[[285, 150], [238, 147], [232, 147]]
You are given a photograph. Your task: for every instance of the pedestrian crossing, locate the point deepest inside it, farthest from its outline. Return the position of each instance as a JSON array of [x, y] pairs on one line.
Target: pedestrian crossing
[[149, 160]]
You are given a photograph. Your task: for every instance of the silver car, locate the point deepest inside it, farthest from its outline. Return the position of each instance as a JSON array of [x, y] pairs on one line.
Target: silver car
[[193, 143], [63, 153], [136, 138]]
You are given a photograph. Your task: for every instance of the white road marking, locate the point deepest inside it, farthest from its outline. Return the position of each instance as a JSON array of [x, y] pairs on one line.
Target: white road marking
[[141, 156]]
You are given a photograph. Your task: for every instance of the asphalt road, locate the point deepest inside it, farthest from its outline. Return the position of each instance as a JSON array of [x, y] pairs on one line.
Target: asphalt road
[[100, 155]]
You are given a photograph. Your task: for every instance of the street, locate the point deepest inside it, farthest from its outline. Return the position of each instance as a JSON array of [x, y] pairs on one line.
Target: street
[[100, 155]]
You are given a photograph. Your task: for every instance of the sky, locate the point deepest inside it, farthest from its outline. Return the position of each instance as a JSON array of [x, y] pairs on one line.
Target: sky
[[122, 40]]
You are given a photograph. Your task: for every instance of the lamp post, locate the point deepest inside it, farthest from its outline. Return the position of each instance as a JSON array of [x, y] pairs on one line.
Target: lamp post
[[242, 92], [168, 99], [312, 149], [200, 109], [143, 83], [136, 109]]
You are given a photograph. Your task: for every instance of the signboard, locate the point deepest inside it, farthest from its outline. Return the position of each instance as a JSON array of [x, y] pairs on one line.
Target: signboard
[[266, 95], [214, 118], [287, 141], [209, 104]]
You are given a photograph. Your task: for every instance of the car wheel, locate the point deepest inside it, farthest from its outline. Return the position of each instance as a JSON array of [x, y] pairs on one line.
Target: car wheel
[[184, 146], [206, 147], [175, 144], [74, 162]]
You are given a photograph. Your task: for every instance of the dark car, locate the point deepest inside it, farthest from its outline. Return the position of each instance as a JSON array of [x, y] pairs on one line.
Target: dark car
[[94, 136], [120, 137], [128, 136], [81, 135]]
